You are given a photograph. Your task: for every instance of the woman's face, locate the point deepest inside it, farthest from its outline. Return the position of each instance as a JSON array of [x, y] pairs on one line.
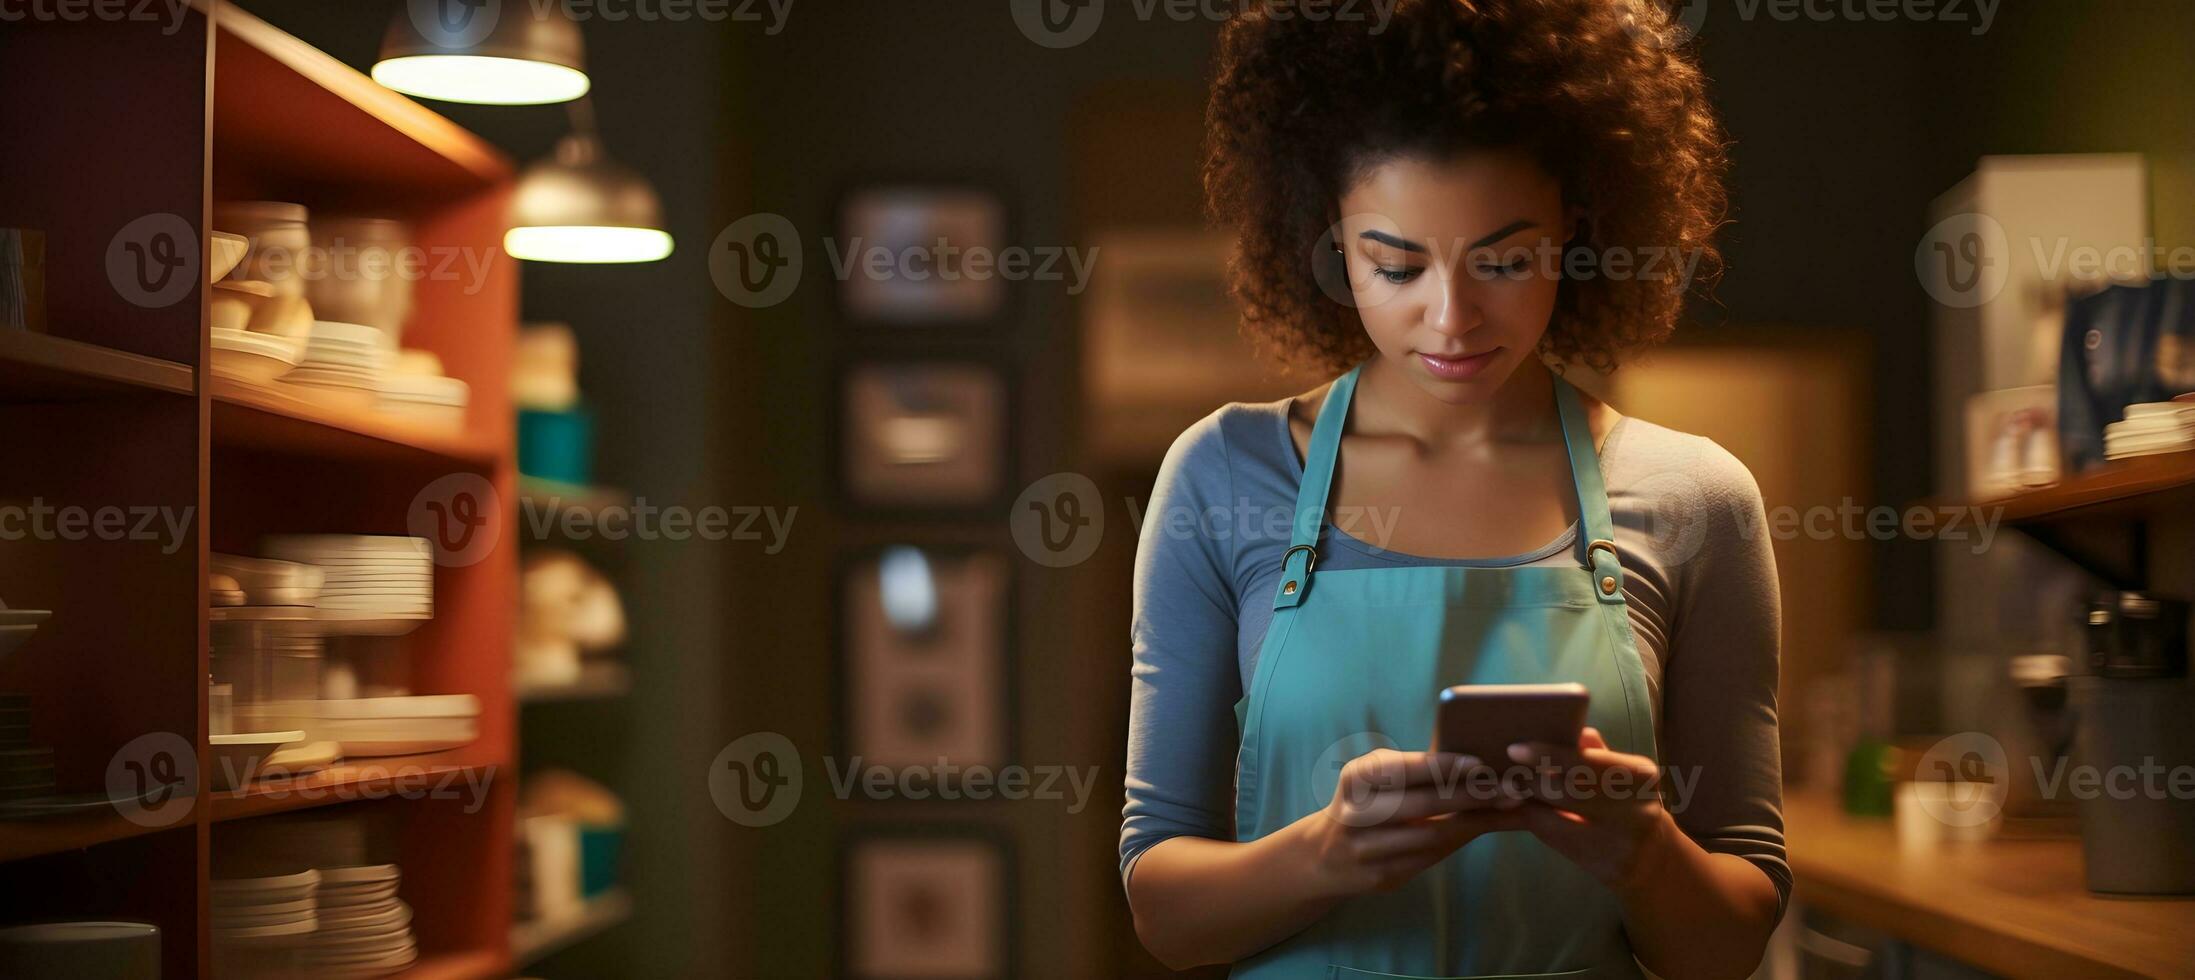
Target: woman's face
[[1454, 263]]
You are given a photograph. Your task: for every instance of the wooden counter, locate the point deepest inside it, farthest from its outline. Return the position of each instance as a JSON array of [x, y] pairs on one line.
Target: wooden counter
[[2013, 907]]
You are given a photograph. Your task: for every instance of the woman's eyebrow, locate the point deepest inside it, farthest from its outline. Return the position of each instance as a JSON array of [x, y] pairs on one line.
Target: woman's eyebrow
[[1409, 246]]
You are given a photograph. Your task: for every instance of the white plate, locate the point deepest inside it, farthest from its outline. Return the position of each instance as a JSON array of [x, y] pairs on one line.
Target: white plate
[[415, 746], [354, 333], [239, 756], [392, 914], [241, 886], [415, 706], [362, 874], [23, 617], [298, 928]]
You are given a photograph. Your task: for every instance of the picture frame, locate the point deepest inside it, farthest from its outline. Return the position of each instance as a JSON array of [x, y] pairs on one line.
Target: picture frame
[[902, 219], [935, 901], [923, 436], [924, 638]]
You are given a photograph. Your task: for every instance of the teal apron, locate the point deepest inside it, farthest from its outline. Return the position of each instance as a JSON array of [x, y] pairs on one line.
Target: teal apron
[[1353, 661]]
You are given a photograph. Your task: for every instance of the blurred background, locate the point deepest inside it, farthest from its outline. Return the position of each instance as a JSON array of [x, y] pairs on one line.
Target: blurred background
[[927, 490]]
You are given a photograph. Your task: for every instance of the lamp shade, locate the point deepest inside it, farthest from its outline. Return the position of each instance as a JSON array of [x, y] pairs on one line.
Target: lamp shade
[[580, 206], [484, 51]]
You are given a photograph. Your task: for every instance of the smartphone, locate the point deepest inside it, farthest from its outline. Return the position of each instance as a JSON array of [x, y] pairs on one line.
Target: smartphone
[[1483, 720]]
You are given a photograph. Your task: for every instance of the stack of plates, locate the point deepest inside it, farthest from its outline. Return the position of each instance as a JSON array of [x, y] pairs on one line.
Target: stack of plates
[[254, 357], [349, 358], [383, 726], [365, 930], [17, 625], [2151, 428], [264, 911], [14, 721], [381, 576], [26, 773], [429, 398]]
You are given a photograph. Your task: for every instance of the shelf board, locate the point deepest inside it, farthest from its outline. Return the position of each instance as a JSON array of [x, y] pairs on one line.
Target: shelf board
[[477, 964], [52, 835], [352, 779], [288, 111], [556, 497], [38, 367], [597, 681], [534, 941], [260, 417], [2015, 907], [2121, 488]]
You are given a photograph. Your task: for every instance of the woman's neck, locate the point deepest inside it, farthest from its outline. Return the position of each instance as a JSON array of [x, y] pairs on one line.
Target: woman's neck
[[1521, 410]]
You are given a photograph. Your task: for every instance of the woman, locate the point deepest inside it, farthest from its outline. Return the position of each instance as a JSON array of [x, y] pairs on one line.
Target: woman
[[1442, 206]]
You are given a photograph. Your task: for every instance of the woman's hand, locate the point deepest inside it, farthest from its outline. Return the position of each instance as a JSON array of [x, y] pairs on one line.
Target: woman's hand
[[1395, 813], [1598, 807]]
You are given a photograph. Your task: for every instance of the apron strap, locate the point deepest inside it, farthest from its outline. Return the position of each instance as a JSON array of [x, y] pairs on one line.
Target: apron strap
[[1597, 537], [1596, 544], [1318, 478]]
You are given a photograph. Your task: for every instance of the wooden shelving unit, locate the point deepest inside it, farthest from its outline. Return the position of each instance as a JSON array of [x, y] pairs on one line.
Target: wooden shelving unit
[[532, 941], [36, 368], [2100, 519], [2128, 487], [597, 681], [112, 408]]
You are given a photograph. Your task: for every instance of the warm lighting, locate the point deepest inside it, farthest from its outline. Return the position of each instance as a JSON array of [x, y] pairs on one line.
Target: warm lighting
[[587, 243], [481, 80], [578, 205], [484, 53]]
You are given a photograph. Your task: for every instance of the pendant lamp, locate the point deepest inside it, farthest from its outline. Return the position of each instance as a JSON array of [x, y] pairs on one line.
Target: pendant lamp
[[486, 52], [578, 205]]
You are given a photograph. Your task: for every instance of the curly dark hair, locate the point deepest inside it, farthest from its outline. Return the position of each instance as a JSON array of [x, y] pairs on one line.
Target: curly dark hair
[[1600, 92]]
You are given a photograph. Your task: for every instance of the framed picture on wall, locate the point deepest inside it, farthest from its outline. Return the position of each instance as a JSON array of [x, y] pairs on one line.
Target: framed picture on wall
[[923, 672], [921, 436], [930, 902], [922, 253]]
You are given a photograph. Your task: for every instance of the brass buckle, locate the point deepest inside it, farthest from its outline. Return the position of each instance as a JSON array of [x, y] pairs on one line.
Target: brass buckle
[[1308, 563], [1599, 544]]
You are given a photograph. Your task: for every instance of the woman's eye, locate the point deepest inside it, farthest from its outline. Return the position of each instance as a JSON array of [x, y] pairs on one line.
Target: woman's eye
[[1396, 275], [1511, 269]]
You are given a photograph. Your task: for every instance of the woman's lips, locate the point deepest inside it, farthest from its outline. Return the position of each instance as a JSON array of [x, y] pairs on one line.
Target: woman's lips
[[1457, 368]]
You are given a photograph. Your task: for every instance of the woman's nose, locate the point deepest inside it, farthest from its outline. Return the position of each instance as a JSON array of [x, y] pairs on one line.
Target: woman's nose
[[1456, 310]]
